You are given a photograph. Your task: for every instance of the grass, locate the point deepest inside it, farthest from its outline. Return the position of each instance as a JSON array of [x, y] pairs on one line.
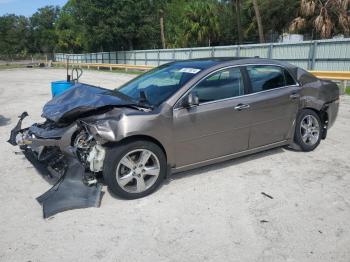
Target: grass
[[10, 66], [347, 90]]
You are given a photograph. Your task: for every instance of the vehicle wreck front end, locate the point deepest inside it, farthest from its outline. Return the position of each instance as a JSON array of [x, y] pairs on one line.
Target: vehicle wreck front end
[[69, 147], [51, 143], [69, 157]]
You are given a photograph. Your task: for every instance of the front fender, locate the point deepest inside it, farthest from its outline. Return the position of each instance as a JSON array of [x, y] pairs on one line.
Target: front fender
[[117, 125]]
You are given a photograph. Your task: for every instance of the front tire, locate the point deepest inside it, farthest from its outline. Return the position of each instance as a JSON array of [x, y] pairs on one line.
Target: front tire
[[134, 169], [308, 130]]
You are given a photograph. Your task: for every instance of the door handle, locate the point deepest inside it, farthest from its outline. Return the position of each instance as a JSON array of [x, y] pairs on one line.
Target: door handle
[[241, 107], [294, 96]]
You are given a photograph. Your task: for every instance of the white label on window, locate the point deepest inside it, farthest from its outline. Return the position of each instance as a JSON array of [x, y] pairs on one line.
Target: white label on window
[[190, 70]]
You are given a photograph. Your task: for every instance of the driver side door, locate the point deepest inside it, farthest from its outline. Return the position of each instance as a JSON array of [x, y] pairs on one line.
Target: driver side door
[[218, 125]]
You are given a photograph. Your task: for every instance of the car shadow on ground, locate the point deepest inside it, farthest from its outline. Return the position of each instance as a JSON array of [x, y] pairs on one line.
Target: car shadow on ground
[[225, 164], [213, 167], [4, 121], [45, 174]]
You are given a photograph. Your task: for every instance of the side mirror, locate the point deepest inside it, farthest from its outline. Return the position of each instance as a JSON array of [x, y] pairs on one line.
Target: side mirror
[[190, 100]]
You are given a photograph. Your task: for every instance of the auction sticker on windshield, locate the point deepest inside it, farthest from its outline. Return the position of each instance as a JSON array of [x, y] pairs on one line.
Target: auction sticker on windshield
[[190, 70]]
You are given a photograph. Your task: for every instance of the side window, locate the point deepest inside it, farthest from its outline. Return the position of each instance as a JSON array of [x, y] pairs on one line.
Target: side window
[[289, 79], [223, 84], [266, 77]]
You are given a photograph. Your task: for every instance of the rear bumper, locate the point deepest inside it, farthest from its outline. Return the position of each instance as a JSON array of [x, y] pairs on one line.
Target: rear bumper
[[332, 112]]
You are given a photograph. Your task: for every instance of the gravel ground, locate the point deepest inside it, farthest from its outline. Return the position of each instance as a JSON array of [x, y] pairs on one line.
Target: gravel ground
[[216, 213]]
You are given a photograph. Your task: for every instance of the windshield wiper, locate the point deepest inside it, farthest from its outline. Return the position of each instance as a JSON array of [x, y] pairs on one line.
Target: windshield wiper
[[143, 98], [140, 106], [115, 92], [143, 101]]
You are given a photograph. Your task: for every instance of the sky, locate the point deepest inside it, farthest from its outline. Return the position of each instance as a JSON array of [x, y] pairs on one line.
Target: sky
[[26, 7]]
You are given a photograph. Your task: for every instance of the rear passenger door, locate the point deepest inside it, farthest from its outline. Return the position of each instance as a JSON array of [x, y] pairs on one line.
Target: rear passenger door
[[274, 99]]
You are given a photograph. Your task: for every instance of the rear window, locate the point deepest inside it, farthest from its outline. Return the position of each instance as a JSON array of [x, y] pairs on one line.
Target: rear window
[[266, 77], [289, 79]]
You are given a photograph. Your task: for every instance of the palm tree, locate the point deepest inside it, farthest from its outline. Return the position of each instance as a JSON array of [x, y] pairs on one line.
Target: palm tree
[[201, 22], [236, 6], [161, 21], [344, 16], [324, 15], [258, 20]]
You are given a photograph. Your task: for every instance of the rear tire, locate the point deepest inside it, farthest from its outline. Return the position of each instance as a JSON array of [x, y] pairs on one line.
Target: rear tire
[[308, 130], [134, 169]]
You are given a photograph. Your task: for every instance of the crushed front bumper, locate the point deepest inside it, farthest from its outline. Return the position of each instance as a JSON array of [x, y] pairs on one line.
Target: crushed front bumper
[[54, 157]]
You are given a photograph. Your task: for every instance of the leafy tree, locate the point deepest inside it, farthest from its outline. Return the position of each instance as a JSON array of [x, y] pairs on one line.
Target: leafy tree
[[106, 25], [327, 17], [201, 23], [177, 29], [110, 25], [173, 17], [227, 19], [70, 31], [275, 18], [237, 7], [276, 15], [258, 20], [43, 31], [14, 34]]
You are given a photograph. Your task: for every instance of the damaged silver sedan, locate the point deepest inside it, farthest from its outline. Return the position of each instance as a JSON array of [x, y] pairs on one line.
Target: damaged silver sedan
[[179, 116]]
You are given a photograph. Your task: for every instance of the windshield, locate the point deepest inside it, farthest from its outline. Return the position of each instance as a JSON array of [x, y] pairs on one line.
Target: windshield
[[159, 84]]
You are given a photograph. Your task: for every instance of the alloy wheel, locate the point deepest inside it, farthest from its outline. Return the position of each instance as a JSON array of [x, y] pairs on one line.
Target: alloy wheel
[[137, 171], [310, 130]]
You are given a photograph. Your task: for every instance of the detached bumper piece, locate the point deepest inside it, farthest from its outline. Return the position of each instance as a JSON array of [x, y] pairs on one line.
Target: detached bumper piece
[[17, 129], [70, 192], [72, 188]]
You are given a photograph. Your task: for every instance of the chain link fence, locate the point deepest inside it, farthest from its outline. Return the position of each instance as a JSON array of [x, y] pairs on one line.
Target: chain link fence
[[24, 59]]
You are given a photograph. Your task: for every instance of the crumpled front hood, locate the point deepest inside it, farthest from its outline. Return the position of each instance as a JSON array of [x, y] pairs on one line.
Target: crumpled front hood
[[81, 99]]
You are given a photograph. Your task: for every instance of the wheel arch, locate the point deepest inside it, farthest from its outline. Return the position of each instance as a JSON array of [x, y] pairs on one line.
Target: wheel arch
[[323, 115], [138, 138], [317, 105]]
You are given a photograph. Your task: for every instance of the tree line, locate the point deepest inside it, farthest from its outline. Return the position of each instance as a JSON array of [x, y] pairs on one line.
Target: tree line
[[106, 25]]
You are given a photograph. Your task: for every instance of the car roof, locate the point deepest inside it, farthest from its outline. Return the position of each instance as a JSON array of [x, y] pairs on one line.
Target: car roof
[[205, 63]]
